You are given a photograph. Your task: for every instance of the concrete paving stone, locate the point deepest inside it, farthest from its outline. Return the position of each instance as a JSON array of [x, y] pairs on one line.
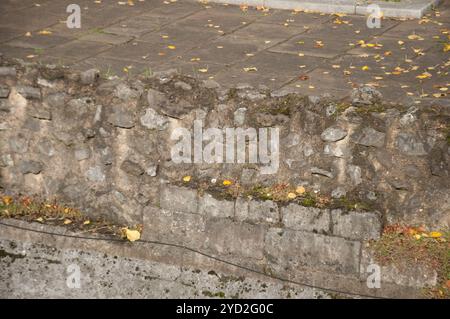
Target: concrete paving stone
[[328, 48], [271, 64], [135, 27], [231, 77], [182, 37], [78, 49], [217, 19], [111, 67], [424, 30], [7, 34], [268, 32], [197, 69], [104, 37], [21, 53], [348, 28], [174, 10], [14, 5], [37, 41], [223, 51], [140, 52], [335, 6], [405, 9], [29, 19], [299, 87], [395, 51], [289, 18]]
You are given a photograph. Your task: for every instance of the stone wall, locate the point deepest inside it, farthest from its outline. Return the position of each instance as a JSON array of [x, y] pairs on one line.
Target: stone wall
[[104, 146]]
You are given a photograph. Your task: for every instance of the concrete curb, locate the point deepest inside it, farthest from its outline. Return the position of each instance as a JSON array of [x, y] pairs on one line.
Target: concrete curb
[[402, 9]]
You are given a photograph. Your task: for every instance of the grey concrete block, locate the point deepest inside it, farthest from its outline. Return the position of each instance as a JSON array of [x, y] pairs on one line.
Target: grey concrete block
[[211, 207], [306, 218], [356, 225], [173, 227], [263, 212], [224, 237], [179, 199], [311, 251]]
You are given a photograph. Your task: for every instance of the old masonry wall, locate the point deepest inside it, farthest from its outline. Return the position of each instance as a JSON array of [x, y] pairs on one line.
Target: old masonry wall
[[104, 146]]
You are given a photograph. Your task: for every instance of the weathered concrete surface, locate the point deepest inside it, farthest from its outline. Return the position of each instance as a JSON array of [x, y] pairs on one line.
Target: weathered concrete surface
[[38, 271], [36, 265]]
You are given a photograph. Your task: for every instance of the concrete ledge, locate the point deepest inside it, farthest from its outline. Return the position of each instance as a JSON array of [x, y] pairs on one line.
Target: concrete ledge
[[401, 9]]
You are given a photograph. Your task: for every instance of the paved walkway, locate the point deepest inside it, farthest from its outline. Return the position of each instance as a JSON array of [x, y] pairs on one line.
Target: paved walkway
[[305, 52]]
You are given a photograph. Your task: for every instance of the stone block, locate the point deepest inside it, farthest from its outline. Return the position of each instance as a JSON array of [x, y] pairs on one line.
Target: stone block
[[211, 207], [356, 225], [306, 218], [290, 250], [179, 199], [263, 212]]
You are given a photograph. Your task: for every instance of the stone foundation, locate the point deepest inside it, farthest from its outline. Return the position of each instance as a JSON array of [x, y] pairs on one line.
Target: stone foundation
[[104, 146]]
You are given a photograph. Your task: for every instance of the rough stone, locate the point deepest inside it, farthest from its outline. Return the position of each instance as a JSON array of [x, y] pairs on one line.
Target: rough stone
[[4, 91], [338, 192], [39, 111], [152, 120], [410, 145], [132, 168], [29, 92], [82, 153], [239, 116], [30, 167], [354, 172], [370, 137], [89, 77], [7, 71], [183, 85], [95, 174], [365, 95], [356, 225], [121, 117], [321, 172], [333, 134], [18, 144], [306, 218]]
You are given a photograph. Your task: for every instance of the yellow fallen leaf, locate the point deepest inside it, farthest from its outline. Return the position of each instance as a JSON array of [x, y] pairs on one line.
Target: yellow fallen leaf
[[187, 179], [417, 236], [7, 200], [86, 222], [424, 75], [28, 34], [251, 69], [171, 47], [40, 219], [414, 37], [67, 222], [227, 182], [400, 42], [446, 47], [291, 195], [365, 68], [202, 70], [435, 234], [45, 32], [300, 190], [132, 235]]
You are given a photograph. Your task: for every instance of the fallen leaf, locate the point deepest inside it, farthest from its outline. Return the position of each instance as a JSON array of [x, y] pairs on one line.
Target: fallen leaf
[[291, 195], [171, 47], [67, 222], [227, 182], [424, 75], [365, 68], [435, 234], [86, 222], [40, 219], [251, 69], [132, 235], [303, 77], [7, 200], [300, 190], [45, 32], [187, 179]]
